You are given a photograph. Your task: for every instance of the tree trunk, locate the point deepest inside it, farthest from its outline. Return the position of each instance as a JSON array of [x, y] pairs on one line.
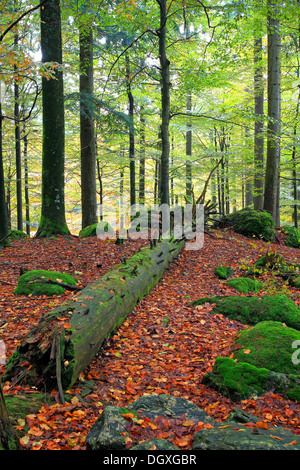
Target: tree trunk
[[53, 199], [259, 127], [142, 158], [131, 133], [26, 183], [3, 208], [18, 147], [165, 104], [271, 195], [87, 130], [188, 164], [66, 340], [8, 438]]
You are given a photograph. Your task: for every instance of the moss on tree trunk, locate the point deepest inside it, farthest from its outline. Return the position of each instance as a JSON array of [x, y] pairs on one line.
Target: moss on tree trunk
[[68, 338]]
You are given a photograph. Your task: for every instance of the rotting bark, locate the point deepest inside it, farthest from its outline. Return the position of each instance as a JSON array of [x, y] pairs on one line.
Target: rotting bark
[[68, 338]]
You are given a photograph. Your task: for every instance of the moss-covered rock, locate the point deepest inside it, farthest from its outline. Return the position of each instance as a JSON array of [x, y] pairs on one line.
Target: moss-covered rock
[[17, 235], [235, 380], [91, 230], [223, 272], [268, 344], [252, 310], [293, 236], [245, 285], [35, 283], [241, 380], [252, 223]]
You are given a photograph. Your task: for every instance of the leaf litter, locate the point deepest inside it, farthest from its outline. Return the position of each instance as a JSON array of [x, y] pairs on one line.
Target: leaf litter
[[165, 346]]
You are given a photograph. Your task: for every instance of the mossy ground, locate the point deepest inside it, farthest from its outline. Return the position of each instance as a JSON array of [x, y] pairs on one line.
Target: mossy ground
[[293, 236], [245, 285], [252, 310], [223, 272], [91, 230], [268, 344], [28, 286]]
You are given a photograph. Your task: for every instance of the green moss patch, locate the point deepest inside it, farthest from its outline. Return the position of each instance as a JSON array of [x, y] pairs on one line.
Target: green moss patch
[[91, 230], [245, 285], [252, 310], [35, 283], [236, 380], [17, 235], [241, 380], [252, 223], [223, 272], [268, 344], [293, 236]]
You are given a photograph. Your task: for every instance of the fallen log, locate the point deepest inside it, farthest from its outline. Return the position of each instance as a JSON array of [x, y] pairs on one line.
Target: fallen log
[[67, 339]]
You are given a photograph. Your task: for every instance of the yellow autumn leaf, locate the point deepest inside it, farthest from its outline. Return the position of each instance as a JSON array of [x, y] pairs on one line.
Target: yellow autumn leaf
[[188, 423]]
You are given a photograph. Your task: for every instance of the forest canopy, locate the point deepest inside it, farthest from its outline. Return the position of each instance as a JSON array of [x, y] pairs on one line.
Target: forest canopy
[[142, 100]]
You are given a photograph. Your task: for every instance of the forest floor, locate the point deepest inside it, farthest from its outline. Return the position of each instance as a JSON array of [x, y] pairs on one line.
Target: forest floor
[[144, 356]]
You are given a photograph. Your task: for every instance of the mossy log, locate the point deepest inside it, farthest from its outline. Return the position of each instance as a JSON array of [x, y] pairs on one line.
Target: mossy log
[[67, 339]]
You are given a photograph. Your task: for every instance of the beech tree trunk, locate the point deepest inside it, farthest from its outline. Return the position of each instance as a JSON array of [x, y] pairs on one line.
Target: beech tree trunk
[[3, 207], [271, 195], [66, 340], [87, 130], [165, 104], [131, 133], [259, 126], [53, 199]]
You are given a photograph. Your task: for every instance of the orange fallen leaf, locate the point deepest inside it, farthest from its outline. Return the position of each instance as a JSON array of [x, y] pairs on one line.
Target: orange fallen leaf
[[276, 437], [262, 425]]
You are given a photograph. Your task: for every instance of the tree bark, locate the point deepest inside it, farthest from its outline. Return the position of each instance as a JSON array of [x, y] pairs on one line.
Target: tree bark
[[165, 105], [18, 144], [53, 199], [3, 208], [259, 127], [8, 438], [142, 158], [188, 164], [131, 133], [68, 338], [87, 130], [271, 195]]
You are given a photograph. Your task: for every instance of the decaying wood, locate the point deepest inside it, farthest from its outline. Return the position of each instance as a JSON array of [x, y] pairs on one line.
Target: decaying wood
[[67, 339]]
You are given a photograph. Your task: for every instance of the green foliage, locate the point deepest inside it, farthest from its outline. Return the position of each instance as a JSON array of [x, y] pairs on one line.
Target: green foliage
[[268, 344], [252, 223], [35, 283], [223, 272], [245, 285]]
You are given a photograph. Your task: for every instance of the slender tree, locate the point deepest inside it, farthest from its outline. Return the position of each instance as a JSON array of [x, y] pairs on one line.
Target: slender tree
[[52, 219], [3, 208], [87, 129], [271, 194], [165, 104], [131, 132], [259, 126]]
